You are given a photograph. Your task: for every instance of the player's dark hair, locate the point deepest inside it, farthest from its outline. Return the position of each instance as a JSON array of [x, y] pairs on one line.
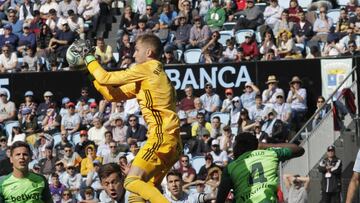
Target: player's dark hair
[[173, 173], [107, 169], [153, 42], [18, 144], [244, 142]]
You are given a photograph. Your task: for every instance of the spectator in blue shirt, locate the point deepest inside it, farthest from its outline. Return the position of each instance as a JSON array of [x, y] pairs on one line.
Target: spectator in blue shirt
[[167, 17], [63, 39], [9, 38], [27, 39], [16, 24]]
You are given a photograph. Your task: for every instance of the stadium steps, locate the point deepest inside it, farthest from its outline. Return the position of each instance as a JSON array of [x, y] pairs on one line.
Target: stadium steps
[[113, 33], [315, 143]]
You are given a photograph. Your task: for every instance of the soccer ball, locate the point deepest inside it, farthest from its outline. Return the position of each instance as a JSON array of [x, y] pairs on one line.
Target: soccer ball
[[73, 57]]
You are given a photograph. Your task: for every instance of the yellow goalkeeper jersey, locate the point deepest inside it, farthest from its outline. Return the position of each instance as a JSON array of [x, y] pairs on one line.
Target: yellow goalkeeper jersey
[[147, 82]]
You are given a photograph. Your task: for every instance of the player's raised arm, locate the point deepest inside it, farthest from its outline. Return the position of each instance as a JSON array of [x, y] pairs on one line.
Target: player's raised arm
[[111, 93], [295, 150]]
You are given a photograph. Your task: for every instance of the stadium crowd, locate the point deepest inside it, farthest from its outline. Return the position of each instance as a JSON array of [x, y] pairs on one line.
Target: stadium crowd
[[70, 140], [34, 35]]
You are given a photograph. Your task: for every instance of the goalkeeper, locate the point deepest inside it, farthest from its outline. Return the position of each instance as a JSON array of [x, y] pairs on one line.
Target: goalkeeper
[[148, 82]]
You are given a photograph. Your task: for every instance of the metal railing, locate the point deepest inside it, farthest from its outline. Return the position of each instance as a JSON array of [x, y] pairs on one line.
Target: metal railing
[[308, 124]]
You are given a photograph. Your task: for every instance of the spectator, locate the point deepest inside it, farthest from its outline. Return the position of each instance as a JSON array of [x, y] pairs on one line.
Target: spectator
[[152, 18], [352, 51], [182, 33], [220, 157], [235, 112], [3, 147], [297, 187], [187, 103], [51, 121], [268, 43], [30, 61], [90, 11], [43, 40], [134, 149], [167, 17], [104, 148], [7, 108], [253, 17], [333, 47], [62, 40], [113, 156], [118, 128], [256, 112], [244, 122], [203, 146], [9, 38], [56, 188], [89, 194], [230, 53], [125, 47], [72, 179], [27, 40], [6, 165], [286, 46], [212, 51], [141, 28], [210, 100], [185, 128], [70, 123], [331, 168], [187, 171], [47, 164], [213, 179], [250, 48], [283, 109], [87, 163], [26, 10], [270, 56], [28, 122], [169, 56], [268, 95], [273, 127], [350, 36], [16, 24], [175, 184], [241, 5], [8, 60], [185, 9], [28, 102], [136, 132], [314, 52], [53, 21], [227, 103], [16, 135], [128, 21], [272, 13], [302, 30], [204, 7], [84, 142], [322, 26], [203, 172], [351, 6], [294, 11], [76, 23], [216, 127], [60, 170], [225, 140], [247, 99], [215, 17], [297, 98], [70, 157], [354, 21], [104, 52], [199, 34], [342, 24], [92, 178], [47, 6], [97, 132], [65, 6], [192, 115]]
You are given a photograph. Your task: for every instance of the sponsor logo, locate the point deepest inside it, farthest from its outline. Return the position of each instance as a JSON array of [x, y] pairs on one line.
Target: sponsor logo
[[25, 197]]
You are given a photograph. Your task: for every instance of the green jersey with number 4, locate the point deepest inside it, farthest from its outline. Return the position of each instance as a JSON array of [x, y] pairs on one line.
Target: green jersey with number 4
[[254, 175]]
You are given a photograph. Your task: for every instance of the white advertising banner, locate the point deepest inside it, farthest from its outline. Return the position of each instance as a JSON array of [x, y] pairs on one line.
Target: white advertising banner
[[333, 72]]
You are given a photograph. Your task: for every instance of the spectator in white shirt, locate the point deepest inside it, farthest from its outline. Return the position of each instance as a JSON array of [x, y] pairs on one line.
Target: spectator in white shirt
[[272, 13], [268, 95], [76, 23], [230, 53], [297, 98], [97, 132], [211, 101], [220, 157], [8, 60], [47, 6]]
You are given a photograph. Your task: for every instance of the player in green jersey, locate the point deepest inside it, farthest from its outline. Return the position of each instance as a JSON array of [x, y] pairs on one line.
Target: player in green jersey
[[253, 175], [23, 186]]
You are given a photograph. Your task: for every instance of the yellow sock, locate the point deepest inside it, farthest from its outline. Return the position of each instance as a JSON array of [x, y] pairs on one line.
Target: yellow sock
[[147, 191]]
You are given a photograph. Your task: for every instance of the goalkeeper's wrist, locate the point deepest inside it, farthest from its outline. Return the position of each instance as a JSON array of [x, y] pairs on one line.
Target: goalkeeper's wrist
[[89, 58]]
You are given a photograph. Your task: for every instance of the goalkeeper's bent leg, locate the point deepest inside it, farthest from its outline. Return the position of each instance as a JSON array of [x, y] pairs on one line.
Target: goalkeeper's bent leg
[[147, 191]]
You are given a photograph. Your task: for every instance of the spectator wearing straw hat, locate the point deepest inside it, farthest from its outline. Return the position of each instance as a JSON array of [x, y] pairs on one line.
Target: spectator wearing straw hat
[[268, 95], [248, 97], [297, 97]]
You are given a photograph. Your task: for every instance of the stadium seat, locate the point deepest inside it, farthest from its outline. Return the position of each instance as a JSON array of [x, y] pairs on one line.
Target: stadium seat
[[304, 3], [9, 125], [179, 54], [224, 117], [192, 56], [284, 4], [240, 35], [224, 35], [197, 162], [75, 138], [116, 57], [228, 26], [300, 46], [57, 138], [334, 14], [343, 2]]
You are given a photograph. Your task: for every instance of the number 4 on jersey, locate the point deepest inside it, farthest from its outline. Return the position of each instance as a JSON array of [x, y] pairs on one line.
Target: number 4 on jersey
[[257, 174]]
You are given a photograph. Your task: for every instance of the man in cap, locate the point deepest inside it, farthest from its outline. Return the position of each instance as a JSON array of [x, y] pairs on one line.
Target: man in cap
[[7, 108], [62, 40], [248, 97], [268, 95], [250, 48], [84, 142], [331, 168], [44, 106], [227, 103], [182, 33], [216, 16], [8, 59], [250, 18], [220, 157], [282, 108], [211, 101], [27, 39]]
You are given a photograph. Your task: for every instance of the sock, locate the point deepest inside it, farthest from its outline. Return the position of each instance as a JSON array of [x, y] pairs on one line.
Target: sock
[[146, 190]]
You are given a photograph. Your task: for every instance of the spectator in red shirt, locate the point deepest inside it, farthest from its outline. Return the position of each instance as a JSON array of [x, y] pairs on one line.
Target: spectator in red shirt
[[294, 9], [187, 103], [250, 48], [240, 5], [188, 172]]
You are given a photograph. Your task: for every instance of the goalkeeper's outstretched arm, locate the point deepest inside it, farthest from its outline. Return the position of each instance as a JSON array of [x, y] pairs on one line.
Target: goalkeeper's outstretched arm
[[116, 94]]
